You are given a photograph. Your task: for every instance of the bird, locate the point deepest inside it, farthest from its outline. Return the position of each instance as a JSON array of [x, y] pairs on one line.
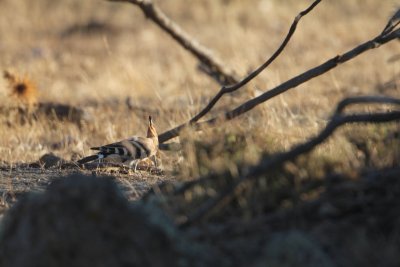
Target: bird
[[131, 150]]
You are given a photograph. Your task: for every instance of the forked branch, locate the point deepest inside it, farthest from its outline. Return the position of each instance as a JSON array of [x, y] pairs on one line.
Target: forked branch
[[210, 63], [234, 87], [231, 88], [383, 38], [269, 163]]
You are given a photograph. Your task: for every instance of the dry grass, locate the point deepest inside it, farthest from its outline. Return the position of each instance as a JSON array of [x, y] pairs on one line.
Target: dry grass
[[109, 61], [21, 89], [74, 61]]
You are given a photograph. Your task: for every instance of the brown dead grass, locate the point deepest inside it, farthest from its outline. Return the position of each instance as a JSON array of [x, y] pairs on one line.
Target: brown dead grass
[[94, 68], [108, 60]]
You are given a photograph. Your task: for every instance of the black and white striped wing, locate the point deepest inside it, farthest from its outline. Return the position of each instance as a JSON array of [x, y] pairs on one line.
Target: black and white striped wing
[[129, 149], [125, 149]]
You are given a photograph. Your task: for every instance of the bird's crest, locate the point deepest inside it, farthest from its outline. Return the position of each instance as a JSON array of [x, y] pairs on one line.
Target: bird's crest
[[151, 130]]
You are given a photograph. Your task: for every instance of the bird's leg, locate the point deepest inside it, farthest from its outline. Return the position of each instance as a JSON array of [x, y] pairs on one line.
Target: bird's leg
[[150, 163], [134, 162], [158, 163], [155, 161], [137, 162]]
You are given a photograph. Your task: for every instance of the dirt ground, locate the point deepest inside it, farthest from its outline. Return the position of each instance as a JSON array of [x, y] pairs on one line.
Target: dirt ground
[[93, 71], [18, 180]]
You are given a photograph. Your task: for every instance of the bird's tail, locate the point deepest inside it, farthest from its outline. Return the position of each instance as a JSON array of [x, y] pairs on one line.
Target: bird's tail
[[90, 158]]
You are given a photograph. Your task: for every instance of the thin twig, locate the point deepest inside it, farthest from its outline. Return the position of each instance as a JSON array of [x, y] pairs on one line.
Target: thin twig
[[365, 100], [213, 65], [292, 83], [269, 163], [392, 23], [231, 88], [339, 109]]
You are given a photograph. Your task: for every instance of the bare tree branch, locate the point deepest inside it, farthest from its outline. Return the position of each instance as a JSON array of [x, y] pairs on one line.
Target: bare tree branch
[[292, 83], [365, 100], [231, 88], [269, 163], [213, 65], [392, 23]]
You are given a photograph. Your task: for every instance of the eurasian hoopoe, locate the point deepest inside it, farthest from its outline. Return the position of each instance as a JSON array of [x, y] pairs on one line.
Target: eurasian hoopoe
[[131, 150]]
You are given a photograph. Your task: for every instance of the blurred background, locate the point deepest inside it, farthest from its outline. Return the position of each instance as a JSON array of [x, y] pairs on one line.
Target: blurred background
[[99, 56], [79, 74]]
